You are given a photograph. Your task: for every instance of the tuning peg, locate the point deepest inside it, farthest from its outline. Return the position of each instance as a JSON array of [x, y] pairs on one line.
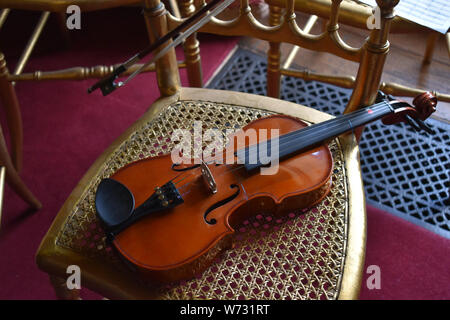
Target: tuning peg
[[418, 124], [412, 123], [381, 96], [423, 125]]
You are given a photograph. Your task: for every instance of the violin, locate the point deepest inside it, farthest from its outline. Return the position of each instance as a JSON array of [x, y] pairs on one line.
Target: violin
[[170, 220]]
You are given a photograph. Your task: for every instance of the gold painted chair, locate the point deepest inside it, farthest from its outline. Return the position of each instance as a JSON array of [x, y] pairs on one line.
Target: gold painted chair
[[353, 14], [313, 254], [8, 97], [11, 165]]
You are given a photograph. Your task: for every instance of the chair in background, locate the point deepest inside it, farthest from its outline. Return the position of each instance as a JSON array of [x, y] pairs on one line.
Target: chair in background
[[319, 252], [353, 14], [8, 97], [12, 165]]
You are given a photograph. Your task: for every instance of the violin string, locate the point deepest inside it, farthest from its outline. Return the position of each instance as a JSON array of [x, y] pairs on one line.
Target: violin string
[[315, 129], [187, 174], [177, 182], [376, 107], [312, 130], [226, 171], [296, 134], [172, 180], [304, 136]]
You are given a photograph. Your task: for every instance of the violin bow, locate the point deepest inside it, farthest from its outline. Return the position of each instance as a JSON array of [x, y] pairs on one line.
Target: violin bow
[[181, 32]]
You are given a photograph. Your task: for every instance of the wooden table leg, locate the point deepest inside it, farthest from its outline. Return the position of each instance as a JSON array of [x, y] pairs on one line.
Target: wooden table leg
[[429, 50]]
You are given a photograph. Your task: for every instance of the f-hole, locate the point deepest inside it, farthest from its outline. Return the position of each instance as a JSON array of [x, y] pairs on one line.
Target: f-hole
[[221, 203]]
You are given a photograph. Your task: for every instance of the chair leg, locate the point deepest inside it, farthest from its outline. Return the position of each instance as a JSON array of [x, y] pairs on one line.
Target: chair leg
[[447, 40], [3, 15], [191, 49], [12, 177], [274, 57], [429, 50], [193, 61], [374, 54], [23, 60], [8, 99], [61, 290], [166, 67]]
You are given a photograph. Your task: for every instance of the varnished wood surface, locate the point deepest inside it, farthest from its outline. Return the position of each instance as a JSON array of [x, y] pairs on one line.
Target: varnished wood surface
[[403, 63], [116, 283], [166, 246]]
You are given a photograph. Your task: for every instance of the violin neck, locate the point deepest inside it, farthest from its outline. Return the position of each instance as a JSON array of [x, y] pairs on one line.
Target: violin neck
[[316, 134]]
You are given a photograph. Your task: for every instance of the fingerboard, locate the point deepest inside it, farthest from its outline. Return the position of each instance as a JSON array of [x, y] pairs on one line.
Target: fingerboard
[[307, 138]]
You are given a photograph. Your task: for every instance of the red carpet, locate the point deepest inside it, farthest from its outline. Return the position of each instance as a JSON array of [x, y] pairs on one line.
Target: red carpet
[[66, 130], [414, 262]]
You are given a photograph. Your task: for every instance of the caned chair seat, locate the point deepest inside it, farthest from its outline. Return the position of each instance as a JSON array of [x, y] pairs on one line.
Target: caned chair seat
[[315, 253]]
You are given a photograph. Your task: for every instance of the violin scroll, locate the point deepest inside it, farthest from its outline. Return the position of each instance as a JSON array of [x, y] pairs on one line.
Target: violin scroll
[[425, 105], [415, 116]]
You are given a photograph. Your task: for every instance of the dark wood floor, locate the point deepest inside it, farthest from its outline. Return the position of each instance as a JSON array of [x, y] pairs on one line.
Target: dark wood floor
[[403, 64]]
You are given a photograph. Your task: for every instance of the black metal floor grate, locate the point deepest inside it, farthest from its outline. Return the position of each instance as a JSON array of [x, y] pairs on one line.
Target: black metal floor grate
[[404, 172]]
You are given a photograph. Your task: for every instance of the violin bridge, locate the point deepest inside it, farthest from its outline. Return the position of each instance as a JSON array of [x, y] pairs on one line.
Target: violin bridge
[[208, 178]]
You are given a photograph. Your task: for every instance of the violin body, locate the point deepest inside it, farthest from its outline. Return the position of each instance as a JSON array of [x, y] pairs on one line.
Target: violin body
[[170, 220], [182, 241]]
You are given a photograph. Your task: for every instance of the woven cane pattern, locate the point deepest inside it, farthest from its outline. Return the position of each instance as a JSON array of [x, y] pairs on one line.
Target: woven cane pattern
[[298, 256]]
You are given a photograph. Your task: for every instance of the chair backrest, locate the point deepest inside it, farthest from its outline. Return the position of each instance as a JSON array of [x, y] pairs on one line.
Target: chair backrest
[[283, 28], [61, 5], [351, 12]]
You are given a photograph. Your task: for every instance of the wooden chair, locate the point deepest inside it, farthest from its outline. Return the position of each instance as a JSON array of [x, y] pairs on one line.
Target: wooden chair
[[314, 254], [8, 96], [353, 14]]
